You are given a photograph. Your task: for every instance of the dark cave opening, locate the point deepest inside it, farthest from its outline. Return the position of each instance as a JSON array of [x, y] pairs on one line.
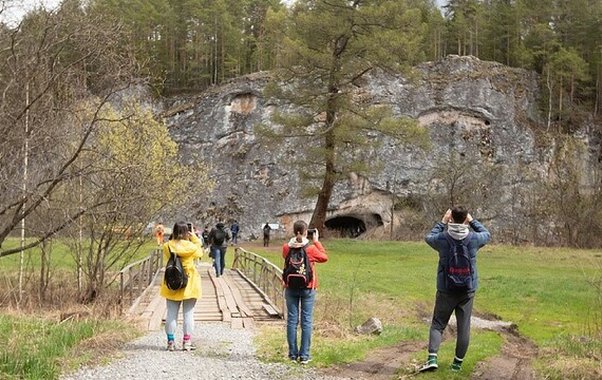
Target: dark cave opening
[[350, 226]]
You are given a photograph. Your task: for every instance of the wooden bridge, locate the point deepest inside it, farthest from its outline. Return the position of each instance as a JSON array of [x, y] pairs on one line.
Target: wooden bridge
[[245, 295]]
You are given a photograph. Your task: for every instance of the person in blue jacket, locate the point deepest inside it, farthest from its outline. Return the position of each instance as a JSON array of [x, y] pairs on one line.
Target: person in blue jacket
[[454, 229], [235, 229]]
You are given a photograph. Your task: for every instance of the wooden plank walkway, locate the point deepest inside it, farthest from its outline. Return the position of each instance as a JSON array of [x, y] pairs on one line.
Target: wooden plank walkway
[[229, 299]]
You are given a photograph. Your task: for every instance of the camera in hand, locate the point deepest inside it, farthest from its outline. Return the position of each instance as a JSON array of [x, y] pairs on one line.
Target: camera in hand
[[311, 232], [189, 227]]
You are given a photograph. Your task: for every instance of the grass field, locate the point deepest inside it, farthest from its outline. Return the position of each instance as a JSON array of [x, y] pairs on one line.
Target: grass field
[[553, 295], [38, 348], [62, 257]]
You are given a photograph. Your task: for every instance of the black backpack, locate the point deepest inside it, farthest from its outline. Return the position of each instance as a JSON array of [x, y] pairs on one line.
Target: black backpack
[[219, 236], [297, 273], [175, 277], [458, 268]]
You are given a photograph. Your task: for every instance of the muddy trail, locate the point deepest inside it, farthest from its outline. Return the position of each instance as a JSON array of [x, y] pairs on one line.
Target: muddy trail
[[398, 362]]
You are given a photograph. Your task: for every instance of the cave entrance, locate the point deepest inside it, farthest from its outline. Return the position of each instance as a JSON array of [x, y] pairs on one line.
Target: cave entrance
[[348, 226]]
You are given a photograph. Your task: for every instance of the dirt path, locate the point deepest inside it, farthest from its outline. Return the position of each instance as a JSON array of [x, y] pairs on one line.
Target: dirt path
[[382, 364], [514, 363], [394, 363]]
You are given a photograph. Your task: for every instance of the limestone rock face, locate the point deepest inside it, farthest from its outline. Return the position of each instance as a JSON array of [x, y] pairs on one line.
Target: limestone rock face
[[481, 112]]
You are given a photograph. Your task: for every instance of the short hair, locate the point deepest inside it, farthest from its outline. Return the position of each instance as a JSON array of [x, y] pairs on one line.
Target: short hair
[[180, 231], [459, 214]]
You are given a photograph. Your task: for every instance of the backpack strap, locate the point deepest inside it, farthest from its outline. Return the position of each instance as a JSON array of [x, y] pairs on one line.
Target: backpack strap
[[170, 251], [453, 242], [466, 240], [303, 247]]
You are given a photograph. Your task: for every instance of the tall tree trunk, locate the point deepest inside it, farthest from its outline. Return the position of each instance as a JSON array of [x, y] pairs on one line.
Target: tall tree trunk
[[598, 88], [318, 217], [476, 38], [222, 56], [24, 188], [572, 92], [215, 63], [597, 103], [560, 100], [508, 48], [549, 86], [45, 249]]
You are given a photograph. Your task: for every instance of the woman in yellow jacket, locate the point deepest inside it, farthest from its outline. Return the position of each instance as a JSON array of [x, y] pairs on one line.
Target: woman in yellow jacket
[[187, 246]]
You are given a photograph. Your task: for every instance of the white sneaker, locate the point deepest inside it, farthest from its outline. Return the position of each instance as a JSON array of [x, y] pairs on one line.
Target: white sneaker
[[188, 346]]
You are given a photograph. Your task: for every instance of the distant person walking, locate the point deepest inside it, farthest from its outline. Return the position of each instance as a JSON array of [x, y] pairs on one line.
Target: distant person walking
[[300, 299], [187, 246], [219, 237], [457, 280], [159, 233], [235, 229], [266, 235], [205, 235]]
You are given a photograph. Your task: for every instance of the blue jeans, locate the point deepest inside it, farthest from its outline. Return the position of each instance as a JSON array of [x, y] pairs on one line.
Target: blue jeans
[[295, 299], [219, 257]]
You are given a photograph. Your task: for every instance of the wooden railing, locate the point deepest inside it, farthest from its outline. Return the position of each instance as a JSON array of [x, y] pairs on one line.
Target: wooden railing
[[135, 278], [261, 273]]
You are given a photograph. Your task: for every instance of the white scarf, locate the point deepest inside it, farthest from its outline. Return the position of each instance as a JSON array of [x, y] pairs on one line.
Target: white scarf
[[293, 243], [458, 231]]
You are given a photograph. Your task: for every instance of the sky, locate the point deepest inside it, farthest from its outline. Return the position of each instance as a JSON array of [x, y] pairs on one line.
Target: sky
[[439, 3], [17, 8]]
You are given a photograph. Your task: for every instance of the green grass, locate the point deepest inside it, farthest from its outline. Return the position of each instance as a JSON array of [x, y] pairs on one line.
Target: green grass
[[549, 293], [553, 295], [35, 348], [61, 256], [484, 344]]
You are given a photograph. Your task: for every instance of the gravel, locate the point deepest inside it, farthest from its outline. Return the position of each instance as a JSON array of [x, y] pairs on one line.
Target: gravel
[[222, 353]]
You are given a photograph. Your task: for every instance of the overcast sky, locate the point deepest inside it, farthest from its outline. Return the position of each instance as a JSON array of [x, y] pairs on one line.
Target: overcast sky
[[17, 8]]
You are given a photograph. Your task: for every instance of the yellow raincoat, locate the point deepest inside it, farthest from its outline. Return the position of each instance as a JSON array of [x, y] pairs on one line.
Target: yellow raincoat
[[188, 250]]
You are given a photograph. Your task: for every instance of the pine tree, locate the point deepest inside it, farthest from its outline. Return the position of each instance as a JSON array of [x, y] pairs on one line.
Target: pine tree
[[329, 47]]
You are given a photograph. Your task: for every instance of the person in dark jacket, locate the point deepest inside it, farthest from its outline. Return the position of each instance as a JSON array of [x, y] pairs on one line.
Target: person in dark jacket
[[266, 234], [235, 229], [454, 228], [219, 236]]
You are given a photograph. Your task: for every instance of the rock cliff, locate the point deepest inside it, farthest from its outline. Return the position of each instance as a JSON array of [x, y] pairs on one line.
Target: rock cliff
[[481, 116]]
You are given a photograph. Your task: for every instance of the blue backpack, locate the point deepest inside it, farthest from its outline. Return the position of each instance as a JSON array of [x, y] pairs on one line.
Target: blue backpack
[[458, 268]]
